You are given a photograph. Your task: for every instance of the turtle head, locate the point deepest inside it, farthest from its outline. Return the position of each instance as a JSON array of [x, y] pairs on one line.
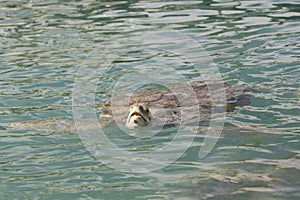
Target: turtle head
[[139, 115]]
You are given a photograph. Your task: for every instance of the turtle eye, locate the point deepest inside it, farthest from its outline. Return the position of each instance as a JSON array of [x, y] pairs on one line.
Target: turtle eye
[[141, 108]]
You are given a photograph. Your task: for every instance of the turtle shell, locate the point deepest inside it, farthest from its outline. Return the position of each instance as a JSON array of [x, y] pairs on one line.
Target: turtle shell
[[170, 106]]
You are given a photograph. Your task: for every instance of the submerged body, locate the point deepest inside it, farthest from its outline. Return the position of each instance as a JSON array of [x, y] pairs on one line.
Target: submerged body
[[155, 104], [168, 108]]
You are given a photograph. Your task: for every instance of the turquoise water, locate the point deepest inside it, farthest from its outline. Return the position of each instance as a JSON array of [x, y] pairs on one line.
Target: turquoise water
[[45, 46]]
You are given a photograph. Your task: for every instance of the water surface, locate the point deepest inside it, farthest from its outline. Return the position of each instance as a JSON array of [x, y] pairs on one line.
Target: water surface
[[253, 43]]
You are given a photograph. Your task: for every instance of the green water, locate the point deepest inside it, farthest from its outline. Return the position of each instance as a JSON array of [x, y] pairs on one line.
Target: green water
[[45, 46]]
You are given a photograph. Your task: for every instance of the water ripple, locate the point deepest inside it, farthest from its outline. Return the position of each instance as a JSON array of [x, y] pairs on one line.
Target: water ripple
[[253, 43]]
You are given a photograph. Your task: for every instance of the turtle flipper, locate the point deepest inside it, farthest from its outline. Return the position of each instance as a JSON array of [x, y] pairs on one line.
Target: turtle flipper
[[47, 125]]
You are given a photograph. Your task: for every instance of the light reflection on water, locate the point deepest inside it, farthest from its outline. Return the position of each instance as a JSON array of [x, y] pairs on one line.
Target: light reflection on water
[[253, 43]]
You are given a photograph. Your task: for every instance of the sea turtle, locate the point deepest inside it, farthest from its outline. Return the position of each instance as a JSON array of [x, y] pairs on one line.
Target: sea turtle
[[154, 105]]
